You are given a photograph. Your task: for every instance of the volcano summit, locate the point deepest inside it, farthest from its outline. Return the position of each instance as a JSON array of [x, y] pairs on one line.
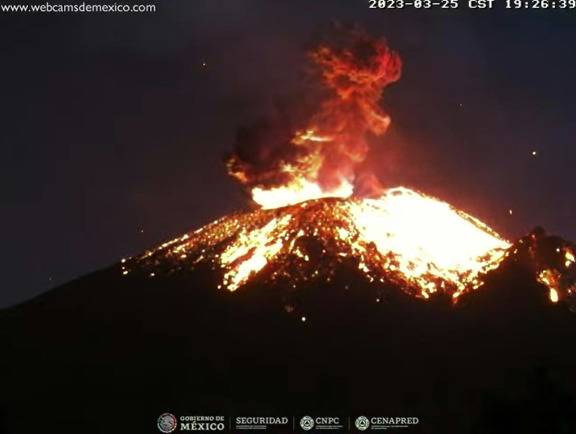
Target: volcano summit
[[404, 239]]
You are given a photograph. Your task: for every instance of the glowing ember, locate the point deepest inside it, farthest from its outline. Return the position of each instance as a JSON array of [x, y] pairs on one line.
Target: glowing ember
[[569, 258], [551, 279], [404, 237]]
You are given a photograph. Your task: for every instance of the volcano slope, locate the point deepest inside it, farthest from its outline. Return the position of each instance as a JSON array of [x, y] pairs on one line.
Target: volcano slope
[[111, 351]]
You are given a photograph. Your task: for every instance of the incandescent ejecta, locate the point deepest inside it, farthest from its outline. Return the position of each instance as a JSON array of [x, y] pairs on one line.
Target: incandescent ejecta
[[317, 216]]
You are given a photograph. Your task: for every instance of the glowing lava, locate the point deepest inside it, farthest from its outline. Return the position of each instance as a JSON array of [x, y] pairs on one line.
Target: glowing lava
[[403, 237], [559, 277], [312, 226], [430, 243], [298, 191]]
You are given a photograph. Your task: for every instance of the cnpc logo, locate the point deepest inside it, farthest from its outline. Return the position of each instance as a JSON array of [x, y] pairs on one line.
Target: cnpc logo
[[321, 422], [307, 423]]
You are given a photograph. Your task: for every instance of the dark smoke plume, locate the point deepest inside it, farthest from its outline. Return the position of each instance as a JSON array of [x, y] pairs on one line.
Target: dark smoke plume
[[326, 147]]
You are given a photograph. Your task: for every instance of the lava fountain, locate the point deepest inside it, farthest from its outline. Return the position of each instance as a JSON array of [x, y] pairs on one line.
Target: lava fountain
[[311, 219], [403, 237]]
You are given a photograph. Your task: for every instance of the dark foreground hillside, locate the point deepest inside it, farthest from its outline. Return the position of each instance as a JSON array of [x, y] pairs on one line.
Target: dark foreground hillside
[[107, 354]]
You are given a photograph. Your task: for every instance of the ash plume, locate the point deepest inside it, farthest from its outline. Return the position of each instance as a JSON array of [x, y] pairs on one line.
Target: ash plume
[[326, 147]]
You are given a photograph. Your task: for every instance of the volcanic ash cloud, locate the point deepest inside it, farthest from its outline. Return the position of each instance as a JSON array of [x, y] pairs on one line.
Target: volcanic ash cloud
[[282, 161]]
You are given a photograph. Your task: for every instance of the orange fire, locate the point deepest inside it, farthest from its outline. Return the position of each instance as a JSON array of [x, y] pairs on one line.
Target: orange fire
[[403, 237], [319, 160], [311, 222], [560, 278], [422, 241]]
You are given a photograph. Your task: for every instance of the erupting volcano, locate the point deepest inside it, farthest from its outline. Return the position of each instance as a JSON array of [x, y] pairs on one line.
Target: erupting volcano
[[317, 217], [385, 238], [319, 159], [331, 295]]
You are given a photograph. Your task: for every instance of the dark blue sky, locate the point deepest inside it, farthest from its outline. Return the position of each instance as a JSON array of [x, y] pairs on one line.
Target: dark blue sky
[[113, 132]]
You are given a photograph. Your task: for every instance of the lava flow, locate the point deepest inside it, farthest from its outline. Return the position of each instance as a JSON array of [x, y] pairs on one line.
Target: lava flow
[[403, 237], [315, 219]]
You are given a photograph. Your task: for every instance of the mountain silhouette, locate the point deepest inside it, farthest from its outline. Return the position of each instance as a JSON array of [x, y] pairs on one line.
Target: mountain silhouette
[[111, 351]]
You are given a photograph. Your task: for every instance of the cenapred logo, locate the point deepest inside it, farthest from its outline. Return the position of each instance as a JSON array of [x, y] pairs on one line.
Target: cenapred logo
[[167, 423], [362, 423], [307, 423]]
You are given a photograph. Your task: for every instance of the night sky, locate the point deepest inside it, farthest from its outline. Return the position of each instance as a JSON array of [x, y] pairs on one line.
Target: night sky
[[114, 127]]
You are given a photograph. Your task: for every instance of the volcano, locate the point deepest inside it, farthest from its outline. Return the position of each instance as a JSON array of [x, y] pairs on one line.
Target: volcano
[[402, 239], [323, 321]]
